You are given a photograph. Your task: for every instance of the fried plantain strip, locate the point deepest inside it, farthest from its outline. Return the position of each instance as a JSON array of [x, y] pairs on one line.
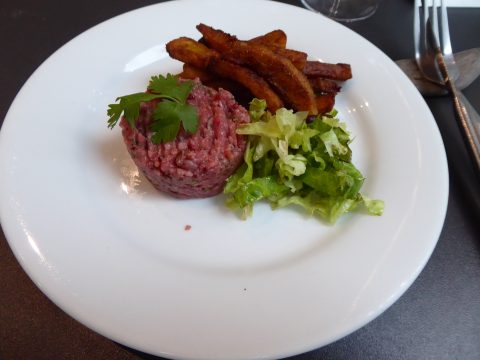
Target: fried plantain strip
[[252, 81], [240, 92], [192, 72], [298, 58], [321, 85], [290, 82], [275, 38], [190, 51], [216, 39], [194, 53], [340, 72], [325, 103], [276, 41], [221, 41]]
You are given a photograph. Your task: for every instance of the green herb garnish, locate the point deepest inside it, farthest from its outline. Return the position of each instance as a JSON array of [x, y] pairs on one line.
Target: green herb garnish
[[169, 113]]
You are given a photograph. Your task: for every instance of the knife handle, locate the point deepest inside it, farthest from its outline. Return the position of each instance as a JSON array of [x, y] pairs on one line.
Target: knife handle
[[467, 116], [469, 124]]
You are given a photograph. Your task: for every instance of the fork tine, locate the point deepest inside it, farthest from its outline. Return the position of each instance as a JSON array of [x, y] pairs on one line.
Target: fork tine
[[441, 69], [420, 19], [435, 23], [416, 29], [429, 25], [426, 14], [445, 34], [446, 45], [425, 41]]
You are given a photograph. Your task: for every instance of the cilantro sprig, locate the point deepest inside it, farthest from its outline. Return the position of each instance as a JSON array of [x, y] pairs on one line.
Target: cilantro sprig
[[169, 113]]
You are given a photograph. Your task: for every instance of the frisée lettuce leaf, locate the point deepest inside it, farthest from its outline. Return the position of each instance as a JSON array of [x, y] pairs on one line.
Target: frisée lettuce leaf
[[292, 161]]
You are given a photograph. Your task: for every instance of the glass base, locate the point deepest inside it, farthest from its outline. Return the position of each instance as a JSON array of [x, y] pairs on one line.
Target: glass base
[[343, 10]]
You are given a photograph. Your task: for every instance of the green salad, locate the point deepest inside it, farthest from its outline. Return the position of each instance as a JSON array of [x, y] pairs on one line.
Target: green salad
[[290, 160]]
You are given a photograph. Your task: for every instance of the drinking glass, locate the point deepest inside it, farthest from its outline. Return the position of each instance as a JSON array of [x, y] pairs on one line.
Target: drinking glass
[[343, 10]]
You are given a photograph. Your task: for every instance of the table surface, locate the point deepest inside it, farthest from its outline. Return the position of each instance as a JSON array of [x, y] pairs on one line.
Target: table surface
[[437, 318]]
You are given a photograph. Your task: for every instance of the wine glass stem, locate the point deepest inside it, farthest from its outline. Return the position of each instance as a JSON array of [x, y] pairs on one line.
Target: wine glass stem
[[334, 8]]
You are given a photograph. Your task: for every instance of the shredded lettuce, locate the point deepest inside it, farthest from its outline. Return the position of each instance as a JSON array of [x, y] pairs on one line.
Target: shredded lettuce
[[289, 161]]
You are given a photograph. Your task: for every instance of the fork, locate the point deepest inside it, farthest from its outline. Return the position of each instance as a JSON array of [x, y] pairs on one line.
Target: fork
[[434, 56]]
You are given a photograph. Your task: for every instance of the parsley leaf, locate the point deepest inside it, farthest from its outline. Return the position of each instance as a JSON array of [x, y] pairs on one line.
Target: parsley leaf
[[131, 105], [169, 86], [169, 113], [114, 111], [168, 127], [167, 118], [189, 116]]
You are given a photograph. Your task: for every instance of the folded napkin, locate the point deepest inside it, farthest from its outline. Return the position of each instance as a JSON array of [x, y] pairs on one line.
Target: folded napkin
[[468, 61]]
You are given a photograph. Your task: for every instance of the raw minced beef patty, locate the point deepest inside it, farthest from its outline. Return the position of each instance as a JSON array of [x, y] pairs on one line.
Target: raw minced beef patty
[[192, 166]]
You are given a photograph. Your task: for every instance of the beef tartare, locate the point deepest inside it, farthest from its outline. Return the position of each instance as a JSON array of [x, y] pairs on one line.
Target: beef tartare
[[191, 165]]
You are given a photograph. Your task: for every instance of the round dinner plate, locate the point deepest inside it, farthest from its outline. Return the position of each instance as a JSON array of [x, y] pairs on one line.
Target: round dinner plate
[[188, 279]]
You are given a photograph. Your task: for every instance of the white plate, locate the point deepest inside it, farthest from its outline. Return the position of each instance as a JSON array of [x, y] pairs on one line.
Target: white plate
[[114, 254]]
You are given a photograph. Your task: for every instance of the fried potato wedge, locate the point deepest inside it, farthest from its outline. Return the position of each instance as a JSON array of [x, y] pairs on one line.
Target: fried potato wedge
[[287, 80], [194, 53], [340, 72]]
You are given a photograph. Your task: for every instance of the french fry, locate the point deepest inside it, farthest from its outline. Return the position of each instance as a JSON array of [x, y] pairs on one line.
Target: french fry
[[339, 72]]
